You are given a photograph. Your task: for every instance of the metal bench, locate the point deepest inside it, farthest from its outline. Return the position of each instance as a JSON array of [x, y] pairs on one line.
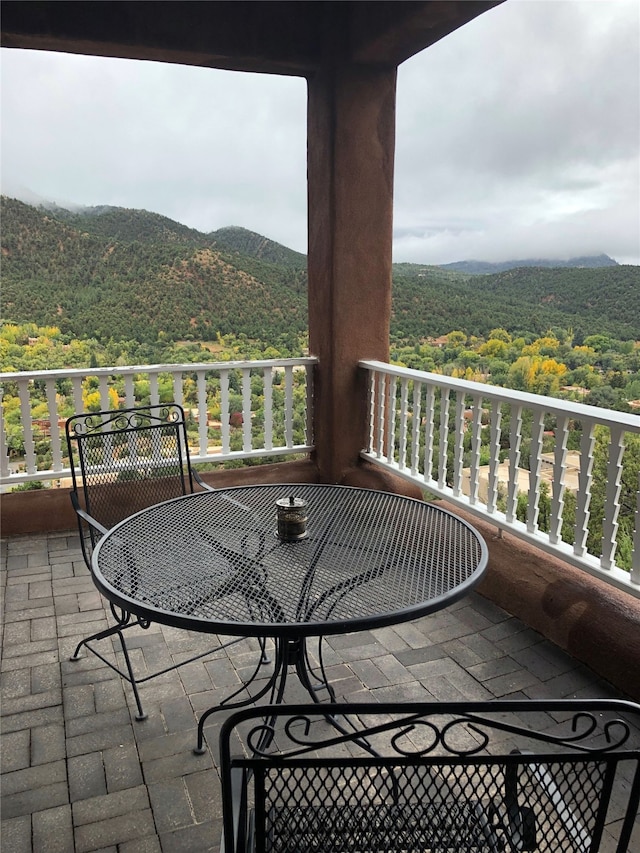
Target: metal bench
[[495, 776]]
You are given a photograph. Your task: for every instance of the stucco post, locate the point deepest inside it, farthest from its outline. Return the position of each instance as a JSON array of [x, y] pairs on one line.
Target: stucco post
[[351, 136]]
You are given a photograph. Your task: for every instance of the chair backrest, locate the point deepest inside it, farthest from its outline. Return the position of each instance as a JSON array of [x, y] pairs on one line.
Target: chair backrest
[[124, 460], [414, 777]]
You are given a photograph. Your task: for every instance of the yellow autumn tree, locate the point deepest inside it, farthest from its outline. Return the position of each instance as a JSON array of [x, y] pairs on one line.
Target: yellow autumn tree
[[536, 374], [92, 400]]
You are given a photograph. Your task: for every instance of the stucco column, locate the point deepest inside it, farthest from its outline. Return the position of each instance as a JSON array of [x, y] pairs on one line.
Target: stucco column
[[351, 135]]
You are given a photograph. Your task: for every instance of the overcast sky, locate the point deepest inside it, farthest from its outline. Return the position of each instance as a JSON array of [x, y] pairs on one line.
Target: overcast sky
[[518, 136]]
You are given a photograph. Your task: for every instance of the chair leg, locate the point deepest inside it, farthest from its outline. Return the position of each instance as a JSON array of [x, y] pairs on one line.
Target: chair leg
[[141, 715], [124, 622], [128, 675], [100, 635]]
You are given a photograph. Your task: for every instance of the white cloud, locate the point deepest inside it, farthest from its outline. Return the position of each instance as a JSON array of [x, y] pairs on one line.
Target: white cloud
[[517, 135]]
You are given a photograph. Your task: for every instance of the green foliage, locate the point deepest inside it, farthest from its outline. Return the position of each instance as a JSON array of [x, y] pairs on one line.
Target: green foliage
[[430, 301], [33, 486], [128, 275], [249, 243]]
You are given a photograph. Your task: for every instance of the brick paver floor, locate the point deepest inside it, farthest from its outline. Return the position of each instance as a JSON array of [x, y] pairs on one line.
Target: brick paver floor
[[79, 773]]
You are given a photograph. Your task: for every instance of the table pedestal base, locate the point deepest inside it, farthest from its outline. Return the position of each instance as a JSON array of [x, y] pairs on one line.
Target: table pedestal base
[[291, 652]]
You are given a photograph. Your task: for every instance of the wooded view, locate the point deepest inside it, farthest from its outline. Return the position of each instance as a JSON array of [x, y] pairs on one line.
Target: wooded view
[[113, 287]]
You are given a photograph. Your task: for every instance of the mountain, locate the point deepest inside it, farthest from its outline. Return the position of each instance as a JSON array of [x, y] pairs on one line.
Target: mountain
[[110, 272], [485, 268], [125, 225], [591, 301], [235, 239]]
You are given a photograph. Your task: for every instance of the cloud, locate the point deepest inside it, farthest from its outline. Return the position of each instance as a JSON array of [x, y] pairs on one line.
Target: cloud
[[518, 134], [528, 119]]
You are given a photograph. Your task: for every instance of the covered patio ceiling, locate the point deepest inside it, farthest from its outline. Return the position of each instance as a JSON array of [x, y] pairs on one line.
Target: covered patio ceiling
[[273, 37]]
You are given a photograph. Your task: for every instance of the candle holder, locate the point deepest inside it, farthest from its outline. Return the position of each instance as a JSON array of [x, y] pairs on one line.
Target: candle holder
[[292, 519]]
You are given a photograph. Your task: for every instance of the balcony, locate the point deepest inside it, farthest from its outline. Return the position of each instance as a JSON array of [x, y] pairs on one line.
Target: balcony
[[550, 619], [418, 426], [414, 419]]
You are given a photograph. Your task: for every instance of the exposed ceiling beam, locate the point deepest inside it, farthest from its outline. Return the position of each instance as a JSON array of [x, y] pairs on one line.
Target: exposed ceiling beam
[[271, 36]]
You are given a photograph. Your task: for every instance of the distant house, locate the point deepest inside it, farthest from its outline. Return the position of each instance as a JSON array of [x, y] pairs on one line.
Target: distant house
[[440, 342]]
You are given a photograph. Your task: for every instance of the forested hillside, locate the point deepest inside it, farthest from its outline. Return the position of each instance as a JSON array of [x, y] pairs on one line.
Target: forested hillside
[[133, 275], [112, 273], [528, 299], [254, 245], [485, 268]]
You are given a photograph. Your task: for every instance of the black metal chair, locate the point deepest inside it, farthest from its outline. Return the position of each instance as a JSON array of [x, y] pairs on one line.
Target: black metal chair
[[123, 461], [493, 776]]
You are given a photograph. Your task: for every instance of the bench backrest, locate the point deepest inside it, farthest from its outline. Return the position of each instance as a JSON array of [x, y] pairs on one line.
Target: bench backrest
[[417, 777]]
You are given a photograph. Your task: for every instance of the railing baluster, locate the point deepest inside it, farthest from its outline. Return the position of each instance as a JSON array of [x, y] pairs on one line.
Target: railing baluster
[[476, 443], [288, 406], [176, 381], [583, 496], [268, 407], [381, 415], [371, 401], [444, 438], [309, 397], [246, 409], [54, 430], [129, 391], [76, 384], [27, 426], [5, 468], [203, 413], [154, 391], [515, 437], [458, 447], [558, 483], [535, 465], [612, 497], [415, 428], [224, 411], [429, 428], [402, 438], [494, 457], [391, 418], [105, 399]]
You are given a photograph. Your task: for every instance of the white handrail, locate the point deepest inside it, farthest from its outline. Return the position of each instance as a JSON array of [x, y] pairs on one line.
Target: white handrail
[[431, 453], [212, 380]]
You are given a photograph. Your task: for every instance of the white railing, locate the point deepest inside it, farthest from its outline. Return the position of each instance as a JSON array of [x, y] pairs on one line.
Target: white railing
[[280, 391], [437, 431]]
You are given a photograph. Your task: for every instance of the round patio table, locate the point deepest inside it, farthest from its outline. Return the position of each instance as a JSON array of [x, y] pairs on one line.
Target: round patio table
[[213, 562]]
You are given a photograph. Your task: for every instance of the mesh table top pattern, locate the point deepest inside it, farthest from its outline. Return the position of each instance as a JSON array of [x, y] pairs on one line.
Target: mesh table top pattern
[[213, 562]]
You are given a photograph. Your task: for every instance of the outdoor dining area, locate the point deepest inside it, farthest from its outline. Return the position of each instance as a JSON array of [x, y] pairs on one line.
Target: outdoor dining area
[[81, 773], [422, 717]]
